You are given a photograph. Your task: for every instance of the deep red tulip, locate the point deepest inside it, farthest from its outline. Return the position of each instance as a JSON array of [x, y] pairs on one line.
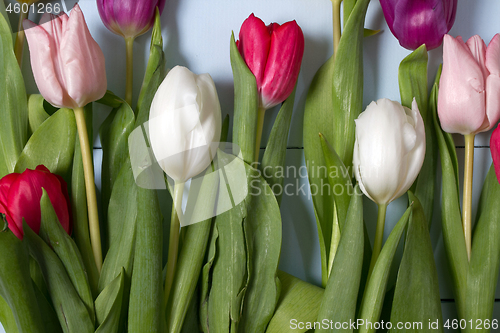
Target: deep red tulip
[[20, 196], [495, 150], [274, 54]]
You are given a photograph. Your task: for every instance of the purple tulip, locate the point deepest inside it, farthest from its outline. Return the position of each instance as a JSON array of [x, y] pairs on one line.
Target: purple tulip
[[417, 22], [129, 18]]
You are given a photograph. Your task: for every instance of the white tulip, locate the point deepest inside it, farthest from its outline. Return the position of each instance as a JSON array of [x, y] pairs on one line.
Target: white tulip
[[389, 150], [185, 123]]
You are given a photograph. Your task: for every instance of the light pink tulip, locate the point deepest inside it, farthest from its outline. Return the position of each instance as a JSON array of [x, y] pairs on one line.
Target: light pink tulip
[[469, 89], [67, 63]]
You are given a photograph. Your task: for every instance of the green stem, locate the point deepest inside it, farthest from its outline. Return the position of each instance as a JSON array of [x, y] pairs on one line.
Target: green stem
[[173, 245], [260, 126], [379, 236], [337, 32], [467, 196], [129, 42], [88, 170], [19, 46]]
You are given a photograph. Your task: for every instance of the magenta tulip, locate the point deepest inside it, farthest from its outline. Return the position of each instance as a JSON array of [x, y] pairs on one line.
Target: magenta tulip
[[495, 150], [417, 22], [20, 196], [67, 63], [129, 18], [274, 54], [469, 89]]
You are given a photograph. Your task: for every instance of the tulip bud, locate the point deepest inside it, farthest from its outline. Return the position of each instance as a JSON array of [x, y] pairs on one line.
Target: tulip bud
[[469, 88], [415, 23], [495, 150], [185, 123], [67, 63], [273, 54], [129, 18], [20, 196], [389, 149]]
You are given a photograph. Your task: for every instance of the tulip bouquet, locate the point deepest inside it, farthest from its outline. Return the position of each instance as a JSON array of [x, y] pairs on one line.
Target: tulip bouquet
[[73, 261]]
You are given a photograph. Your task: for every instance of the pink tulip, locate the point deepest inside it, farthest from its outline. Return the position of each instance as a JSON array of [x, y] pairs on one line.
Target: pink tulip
[[67, 63], [469, 89], [274, 54], [495, 150]]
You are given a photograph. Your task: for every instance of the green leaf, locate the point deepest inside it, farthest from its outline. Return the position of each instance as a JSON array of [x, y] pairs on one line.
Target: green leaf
[[52, 144], [298, 301], [485, 258], [206, 277], [339, 300], [16, 287], [338, 177], [262, 228], [111, 100], [49, 316], [192, 253], [114, 134], [72, 313], [146, 291], [78, 200], [334, 100], [348, 7], [63, 245], [122, 214], [6, 316], [108, 305], [373, 298], [370, 32], [36, 112], [416, 297], [229, 278], [453, 236], [225, 129], [14, 110], [4, 14], [273, 162], [413, 84], [155, 72], [246, 104]]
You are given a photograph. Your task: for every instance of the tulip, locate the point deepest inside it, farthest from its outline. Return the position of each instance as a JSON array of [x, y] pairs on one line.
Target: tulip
[[20, 196], [495, 150], [67, 63], [185, 119], [469, 102], [273, 54], [129, 18], [415, 23], [469, 88], [388, 154], [69, 71], [184, 130]]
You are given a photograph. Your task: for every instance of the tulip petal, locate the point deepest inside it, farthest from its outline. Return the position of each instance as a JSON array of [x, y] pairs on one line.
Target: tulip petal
[[477, 48], [254, 45], [283, 63], [5, 184], [83, 61], [461, 102], [493, 83], [415, 153], [495, 150], [44, 69], [12, 226]]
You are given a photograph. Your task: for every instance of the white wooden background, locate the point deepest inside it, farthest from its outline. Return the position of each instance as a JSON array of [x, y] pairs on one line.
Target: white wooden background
[[197, 34]]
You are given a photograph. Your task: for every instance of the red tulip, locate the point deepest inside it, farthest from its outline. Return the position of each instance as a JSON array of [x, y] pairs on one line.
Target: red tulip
[[274, 54], [495, 150], [20, 196]]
